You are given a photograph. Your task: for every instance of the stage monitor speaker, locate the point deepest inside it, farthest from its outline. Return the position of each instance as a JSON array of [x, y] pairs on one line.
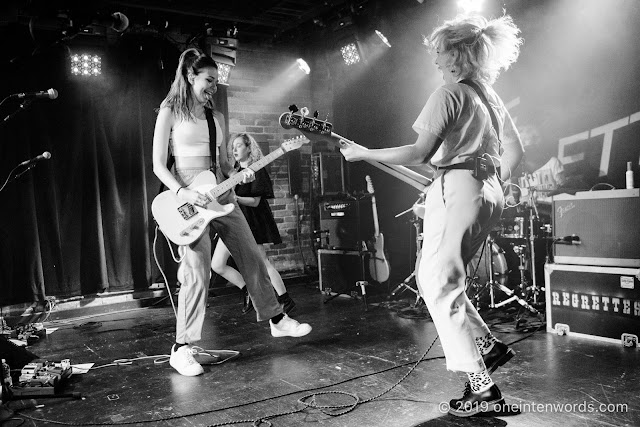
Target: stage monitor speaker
[[348, 223], [607, 224], [340, 270], [327, 174]]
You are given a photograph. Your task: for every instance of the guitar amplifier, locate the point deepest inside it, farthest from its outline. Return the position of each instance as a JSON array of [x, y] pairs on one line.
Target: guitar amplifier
[[347, 222], [607, 224], [340, 270]]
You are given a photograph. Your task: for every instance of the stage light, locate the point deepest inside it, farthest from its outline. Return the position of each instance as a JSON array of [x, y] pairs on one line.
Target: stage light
[[383, 38], [302, 64], [470, 6], [86, 65], [350, 53], [224, 70]]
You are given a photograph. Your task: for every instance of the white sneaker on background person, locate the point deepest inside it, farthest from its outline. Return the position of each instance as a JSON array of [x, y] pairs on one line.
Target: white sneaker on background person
[[288, 327], [182, 361]]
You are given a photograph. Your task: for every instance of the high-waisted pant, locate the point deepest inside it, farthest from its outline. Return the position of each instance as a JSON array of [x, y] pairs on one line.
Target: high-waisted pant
[[460, 211], [194, 272]]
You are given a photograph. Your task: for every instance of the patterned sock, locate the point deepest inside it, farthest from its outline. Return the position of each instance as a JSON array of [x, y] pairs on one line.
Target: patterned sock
[[480, 381], [485, 343]]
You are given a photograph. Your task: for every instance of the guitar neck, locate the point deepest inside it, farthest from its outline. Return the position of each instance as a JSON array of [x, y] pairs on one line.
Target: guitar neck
[[236, 179], [402, 173], [374, 209]]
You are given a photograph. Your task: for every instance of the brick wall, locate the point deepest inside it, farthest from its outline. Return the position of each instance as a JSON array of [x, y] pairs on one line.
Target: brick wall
[[263, 84]]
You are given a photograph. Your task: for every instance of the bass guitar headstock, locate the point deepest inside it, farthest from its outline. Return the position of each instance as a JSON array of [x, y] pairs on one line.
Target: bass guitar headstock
[[300, 120]]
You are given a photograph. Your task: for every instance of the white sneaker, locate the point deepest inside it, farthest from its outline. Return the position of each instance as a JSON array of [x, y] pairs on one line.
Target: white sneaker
[[182, 361], [288, 327]]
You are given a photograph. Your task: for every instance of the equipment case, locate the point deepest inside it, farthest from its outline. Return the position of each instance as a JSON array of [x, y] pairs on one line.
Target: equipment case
[[594, 302]]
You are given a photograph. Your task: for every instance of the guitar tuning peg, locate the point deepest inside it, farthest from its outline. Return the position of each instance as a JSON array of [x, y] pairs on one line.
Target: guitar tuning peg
[[293, 108], [304, 111], [315, 114]]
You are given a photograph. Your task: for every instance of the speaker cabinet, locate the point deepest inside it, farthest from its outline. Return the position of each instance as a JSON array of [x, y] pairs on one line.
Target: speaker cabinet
[[347, 222], [607, 223], [327, 174], [340, 270]]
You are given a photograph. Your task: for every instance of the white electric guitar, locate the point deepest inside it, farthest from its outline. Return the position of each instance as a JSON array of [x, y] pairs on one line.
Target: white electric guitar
[[182, 222], [378, 264]]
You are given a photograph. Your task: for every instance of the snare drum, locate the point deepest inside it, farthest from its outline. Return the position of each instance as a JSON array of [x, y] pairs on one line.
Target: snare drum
[[513, 228]]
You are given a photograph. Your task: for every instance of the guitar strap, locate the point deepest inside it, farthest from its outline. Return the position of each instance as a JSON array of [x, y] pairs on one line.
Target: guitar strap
[[477, 89], [212, 134]]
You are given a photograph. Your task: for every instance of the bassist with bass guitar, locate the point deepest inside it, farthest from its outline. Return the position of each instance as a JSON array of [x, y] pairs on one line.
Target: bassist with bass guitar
[[465, 131]]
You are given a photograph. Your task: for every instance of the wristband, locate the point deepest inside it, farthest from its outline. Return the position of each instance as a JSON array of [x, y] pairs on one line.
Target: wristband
[[178, 190]]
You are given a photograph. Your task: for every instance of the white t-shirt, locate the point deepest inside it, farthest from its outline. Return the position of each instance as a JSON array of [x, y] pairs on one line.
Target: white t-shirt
[[455, 113]]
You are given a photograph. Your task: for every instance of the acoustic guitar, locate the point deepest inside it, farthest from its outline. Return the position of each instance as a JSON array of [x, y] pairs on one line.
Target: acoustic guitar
[[378, 264], [182, 222]]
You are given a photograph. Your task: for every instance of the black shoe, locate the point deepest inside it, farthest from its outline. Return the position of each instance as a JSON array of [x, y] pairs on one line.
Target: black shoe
[[288, 303], [247, 304], [498, 356], [472, 403]]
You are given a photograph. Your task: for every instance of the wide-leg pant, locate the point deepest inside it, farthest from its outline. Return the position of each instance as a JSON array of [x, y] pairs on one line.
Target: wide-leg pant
[[194, 272], [460, 211]]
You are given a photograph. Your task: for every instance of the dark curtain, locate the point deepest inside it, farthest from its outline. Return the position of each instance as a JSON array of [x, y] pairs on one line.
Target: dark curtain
[[80, 223]]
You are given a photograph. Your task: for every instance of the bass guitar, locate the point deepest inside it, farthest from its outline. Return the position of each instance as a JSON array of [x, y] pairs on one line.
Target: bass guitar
[[183, 223], [378, 264]]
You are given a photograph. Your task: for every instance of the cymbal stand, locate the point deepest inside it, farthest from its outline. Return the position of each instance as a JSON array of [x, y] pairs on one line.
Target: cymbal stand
[[472, 280], [533, 219], [405, 285]]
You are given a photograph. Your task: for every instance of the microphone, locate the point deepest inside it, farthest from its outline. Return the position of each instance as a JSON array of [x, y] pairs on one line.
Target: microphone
[[51, 94], [44, 156]]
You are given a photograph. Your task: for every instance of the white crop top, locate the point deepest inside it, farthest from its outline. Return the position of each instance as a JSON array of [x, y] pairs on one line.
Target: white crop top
[[191, 138]]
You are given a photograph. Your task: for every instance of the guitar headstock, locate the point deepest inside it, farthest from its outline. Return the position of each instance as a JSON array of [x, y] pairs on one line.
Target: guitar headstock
[[369, 184], [294, 143], [299, 120]]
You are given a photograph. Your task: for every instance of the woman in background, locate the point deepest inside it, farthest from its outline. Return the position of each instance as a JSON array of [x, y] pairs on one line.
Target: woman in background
[[252, 198]]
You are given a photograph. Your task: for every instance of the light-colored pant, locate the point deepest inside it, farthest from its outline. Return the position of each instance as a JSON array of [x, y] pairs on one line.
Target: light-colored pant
[[460, 211], [194, 272]]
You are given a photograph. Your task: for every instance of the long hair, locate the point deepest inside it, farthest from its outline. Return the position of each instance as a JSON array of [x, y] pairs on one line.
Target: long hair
[[179, 99], [255, 153], [481, 48]]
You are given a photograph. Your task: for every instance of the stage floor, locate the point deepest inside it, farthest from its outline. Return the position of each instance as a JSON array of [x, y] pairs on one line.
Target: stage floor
[[552, 381]]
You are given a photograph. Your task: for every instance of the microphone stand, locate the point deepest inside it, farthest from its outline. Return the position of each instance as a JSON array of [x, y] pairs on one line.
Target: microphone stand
[[534, 218], [22, 107], [13, 177]]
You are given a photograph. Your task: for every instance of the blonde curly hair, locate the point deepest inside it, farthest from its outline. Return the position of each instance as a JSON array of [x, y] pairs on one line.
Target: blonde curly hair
[[255, 153], [481, 48]]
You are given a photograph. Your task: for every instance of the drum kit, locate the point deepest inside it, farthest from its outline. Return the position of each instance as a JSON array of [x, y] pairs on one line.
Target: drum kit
[[506, 267]]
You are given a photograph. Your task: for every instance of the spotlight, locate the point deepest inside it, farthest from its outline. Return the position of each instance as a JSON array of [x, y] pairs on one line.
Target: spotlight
[[302, 64], [470, 6], [383, 38], [86, 65], [224, 70], [350, 53]]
